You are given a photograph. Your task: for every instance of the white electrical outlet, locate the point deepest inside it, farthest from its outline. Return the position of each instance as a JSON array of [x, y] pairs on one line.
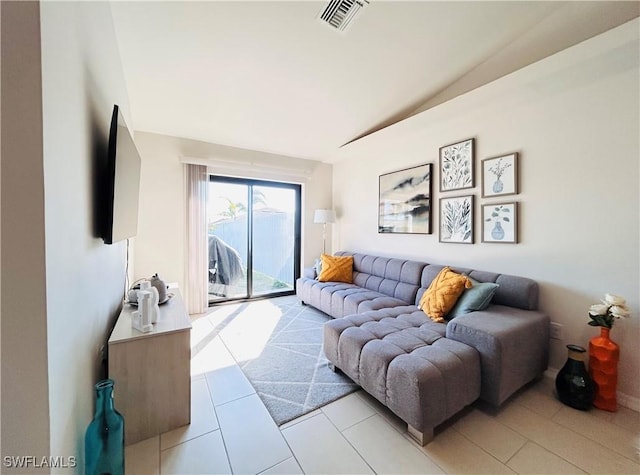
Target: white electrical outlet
[[556, 331]]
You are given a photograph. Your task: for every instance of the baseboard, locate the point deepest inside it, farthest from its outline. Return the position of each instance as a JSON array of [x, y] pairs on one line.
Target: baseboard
[[625, 400], [629, 401]]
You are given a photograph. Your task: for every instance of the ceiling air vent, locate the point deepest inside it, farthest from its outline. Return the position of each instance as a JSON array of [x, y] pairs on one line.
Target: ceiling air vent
[[339, 14]]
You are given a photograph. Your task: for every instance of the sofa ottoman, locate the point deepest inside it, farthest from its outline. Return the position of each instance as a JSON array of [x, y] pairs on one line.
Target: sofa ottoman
[[404, 360]]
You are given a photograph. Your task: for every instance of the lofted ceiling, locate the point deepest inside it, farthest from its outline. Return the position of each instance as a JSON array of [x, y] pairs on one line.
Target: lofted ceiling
[[268, 76]]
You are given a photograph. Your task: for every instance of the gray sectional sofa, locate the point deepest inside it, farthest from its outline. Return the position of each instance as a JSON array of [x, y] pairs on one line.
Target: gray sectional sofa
[[423, 371]]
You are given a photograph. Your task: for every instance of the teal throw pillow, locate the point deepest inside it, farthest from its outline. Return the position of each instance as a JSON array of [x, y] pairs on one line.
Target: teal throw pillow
[[476, 298]]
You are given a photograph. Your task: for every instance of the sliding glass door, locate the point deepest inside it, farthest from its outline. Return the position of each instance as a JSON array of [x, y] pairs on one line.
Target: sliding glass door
[[228, 229], [254, 238]]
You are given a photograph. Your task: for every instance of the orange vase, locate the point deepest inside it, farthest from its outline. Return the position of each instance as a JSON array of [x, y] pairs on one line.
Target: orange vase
[[603, 368]]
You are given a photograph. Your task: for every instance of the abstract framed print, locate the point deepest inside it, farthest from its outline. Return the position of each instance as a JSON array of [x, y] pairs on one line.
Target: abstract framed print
[[405, 201]]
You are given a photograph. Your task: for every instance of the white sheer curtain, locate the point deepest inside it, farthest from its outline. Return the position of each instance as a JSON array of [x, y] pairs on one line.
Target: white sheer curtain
[[197, 182]]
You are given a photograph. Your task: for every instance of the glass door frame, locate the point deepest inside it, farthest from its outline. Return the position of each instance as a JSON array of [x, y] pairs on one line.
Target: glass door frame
[[297, 239]]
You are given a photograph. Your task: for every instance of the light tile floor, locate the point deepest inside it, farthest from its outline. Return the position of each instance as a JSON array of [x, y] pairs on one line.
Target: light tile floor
[[232, 432]]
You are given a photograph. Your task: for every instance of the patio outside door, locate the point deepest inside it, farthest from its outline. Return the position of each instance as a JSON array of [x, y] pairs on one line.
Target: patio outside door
[[254, 238]]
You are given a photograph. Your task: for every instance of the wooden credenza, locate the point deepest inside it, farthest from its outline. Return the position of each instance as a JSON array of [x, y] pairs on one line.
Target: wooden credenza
[[151, 371]]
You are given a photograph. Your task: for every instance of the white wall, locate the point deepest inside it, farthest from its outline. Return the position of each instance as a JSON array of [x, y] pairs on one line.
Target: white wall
[[25, 398], [82, 79], [160, 243], [574, 119]]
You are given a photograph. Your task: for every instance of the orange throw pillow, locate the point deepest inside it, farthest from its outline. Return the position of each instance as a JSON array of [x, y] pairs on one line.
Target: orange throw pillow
[[443, 293], [336, 269]]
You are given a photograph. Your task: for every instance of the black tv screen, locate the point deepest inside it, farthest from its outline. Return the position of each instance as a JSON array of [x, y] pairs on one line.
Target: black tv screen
[[122, 185]]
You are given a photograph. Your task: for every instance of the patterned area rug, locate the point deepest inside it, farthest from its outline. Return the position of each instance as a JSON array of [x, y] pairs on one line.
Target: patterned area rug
[[280, 351]]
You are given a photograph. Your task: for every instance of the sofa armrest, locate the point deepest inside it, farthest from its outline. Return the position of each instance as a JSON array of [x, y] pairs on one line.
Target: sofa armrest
[[309, 273], [513, 346]]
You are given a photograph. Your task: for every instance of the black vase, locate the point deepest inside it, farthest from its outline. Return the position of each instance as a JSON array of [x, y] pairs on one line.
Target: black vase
[[574, 385]]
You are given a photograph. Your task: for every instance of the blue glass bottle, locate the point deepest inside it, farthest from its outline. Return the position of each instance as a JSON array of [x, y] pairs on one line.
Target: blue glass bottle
[[104, 439]]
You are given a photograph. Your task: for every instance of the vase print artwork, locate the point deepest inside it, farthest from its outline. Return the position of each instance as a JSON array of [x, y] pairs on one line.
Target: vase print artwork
[[499, 222], [498, 186], [498, 170], [499, 175], [498, 232]]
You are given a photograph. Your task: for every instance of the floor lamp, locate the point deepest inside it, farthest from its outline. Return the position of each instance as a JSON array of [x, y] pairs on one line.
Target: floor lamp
[[324, 216]]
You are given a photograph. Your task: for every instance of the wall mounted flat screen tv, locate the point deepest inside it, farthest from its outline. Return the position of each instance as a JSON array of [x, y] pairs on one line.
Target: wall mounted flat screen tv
[[122, 185]]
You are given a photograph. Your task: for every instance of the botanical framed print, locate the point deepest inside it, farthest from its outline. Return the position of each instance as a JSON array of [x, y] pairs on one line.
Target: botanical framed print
[[500, 175], [500, 222], [456, 165], [456, 219], [405, 201]]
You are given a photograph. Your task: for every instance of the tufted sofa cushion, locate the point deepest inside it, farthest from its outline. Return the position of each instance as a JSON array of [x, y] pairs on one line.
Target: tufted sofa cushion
[[378, 282], [396, 317], [397, 278], [513, 345], [402, 358], [513, 291]]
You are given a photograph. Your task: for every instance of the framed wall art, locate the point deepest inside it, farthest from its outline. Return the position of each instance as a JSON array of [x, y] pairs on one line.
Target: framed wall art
[[456, 219], [500, 222], [500, 175], [405, 201], [456, 165]]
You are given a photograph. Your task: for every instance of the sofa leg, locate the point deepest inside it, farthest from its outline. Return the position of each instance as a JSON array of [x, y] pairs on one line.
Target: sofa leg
[[333, 367], [421, 437]]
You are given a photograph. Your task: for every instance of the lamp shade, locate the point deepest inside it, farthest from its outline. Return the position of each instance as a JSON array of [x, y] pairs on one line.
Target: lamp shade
[[323, 216]]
